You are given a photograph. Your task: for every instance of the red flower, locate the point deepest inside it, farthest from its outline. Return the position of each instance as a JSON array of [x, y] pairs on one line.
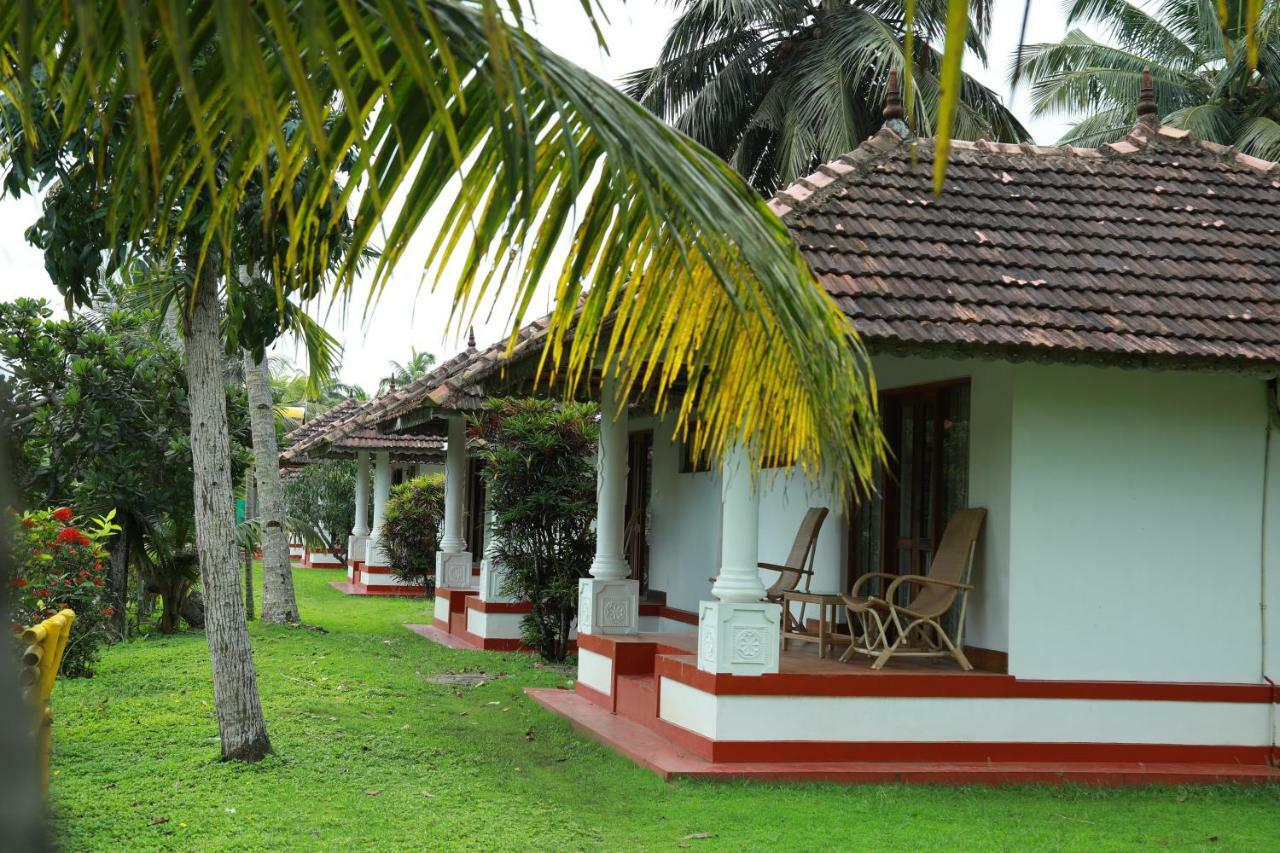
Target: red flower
[[42, 593], [97, 581], [108, 611], [16, 626], [28, 522], [70, 534], [19, 583], [63, 514], [67, 582], [36, 551]]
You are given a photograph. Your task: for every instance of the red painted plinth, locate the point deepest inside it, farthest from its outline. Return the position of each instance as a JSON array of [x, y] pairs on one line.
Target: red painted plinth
[[649, 749], [438, 632], [393, 591], [442, 638]]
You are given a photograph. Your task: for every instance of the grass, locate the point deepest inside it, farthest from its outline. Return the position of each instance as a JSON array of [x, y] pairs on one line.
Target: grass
[[371, 755]]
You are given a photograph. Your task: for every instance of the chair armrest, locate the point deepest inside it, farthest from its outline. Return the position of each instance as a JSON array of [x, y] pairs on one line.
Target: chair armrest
[[923, 580], [774, 567], [853, 603], [868, 576]]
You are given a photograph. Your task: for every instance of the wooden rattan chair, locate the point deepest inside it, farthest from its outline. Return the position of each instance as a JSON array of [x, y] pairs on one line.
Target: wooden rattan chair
[[799, 564], [882, 629]]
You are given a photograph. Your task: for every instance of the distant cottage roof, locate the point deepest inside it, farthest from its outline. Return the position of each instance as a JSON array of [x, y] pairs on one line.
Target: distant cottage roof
[[342, 431], [1157, 249]]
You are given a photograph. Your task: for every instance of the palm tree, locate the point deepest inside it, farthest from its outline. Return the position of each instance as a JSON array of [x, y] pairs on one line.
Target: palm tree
[[776, 87], [402, 374], [689, 283], [1200, 71]]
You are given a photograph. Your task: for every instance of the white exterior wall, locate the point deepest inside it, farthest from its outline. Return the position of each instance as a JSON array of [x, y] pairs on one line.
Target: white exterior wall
[[685, 536], [990, 414], [1124, 536], [946, 720], [1271, 580], [1137, 525]]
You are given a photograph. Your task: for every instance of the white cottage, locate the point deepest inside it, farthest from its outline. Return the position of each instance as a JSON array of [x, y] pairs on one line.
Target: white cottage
[[1083, 342]]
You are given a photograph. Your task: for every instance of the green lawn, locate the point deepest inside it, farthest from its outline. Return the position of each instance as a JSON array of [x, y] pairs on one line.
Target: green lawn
[[371, 755]]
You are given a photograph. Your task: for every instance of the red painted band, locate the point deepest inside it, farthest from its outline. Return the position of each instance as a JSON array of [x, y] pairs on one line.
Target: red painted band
[[917, 751], [594, 696], [474, 602], [688, 617], [968, 685], [457, 597], [604, 644]]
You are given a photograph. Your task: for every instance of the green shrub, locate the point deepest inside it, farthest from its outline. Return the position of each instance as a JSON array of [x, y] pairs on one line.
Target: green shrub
[[411, 529], [538, 466], [60, 563], [320, 503]]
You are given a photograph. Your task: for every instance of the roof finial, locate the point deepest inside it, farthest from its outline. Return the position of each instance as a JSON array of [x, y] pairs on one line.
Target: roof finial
[[1147, 110], [892, 100], [391, 384], [471, 338]]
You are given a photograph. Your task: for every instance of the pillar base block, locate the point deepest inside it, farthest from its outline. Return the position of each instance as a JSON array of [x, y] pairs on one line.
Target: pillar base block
[[608, 606], [374, 553], [492, 575], [453, 570], [356, 544], [739, 637]]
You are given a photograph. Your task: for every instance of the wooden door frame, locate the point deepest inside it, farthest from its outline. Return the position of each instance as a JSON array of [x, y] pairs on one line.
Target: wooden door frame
[[645, 438], [890, 542]]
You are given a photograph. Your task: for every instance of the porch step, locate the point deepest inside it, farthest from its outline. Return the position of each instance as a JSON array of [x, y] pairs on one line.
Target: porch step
[[649, 749], [637, 698]]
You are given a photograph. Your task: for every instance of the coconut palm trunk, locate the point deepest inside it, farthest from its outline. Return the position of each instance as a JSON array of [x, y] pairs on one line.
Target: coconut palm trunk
[[279, 604], [235, 682]]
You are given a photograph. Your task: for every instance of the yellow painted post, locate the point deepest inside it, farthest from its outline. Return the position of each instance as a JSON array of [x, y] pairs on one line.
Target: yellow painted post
[[45, 644]]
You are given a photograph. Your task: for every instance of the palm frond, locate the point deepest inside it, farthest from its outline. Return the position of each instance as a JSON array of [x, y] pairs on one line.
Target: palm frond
[[689, 280], [1260, 137]]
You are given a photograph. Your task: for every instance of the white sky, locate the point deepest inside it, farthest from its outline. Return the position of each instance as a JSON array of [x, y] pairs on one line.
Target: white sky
[[407, 315]]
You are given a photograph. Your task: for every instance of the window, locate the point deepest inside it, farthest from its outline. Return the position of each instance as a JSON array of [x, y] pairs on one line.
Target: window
[[923, 482]]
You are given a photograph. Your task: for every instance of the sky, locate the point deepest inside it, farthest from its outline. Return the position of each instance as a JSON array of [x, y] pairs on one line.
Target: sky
[[409, 312]]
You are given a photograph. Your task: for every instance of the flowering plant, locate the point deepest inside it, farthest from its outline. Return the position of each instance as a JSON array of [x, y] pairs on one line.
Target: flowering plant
[[59, 563]]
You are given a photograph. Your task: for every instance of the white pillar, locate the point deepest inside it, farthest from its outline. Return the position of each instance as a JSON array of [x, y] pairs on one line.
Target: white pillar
[[492, 572], [739, 633], [362, 494], [608, 601], [453, 560], [359, 539], [739, 576], [375, 555]]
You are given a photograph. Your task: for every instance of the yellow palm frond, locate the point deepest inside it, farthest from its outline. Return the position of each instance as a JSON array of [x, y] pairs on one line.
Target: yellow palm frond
[[452, 109]]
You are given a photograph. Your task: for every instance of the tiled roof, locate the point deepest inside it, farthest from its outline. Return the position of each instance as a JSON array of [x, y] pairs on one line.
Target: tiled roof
[[1158, 248], [458, 384], [328, 417], [343, 430]]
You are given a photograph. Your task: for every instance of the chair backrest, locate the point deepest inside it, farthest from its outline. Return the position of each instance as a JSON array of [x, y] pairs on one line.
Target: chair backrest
[[951, 562], [801, 551]]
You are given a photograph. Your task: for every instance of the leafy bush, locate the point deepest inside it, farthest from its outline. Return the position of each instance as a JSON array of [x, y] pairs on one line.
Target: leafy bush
[[320, 504], [411, 526], [538, 466], [59, 564]]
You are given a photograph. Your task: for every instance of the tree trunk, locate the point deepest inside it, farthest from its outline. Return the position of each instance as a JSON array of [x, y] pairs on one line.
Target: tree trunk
[[249, 512], [235, 682], [118, 577], [278, 602]]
